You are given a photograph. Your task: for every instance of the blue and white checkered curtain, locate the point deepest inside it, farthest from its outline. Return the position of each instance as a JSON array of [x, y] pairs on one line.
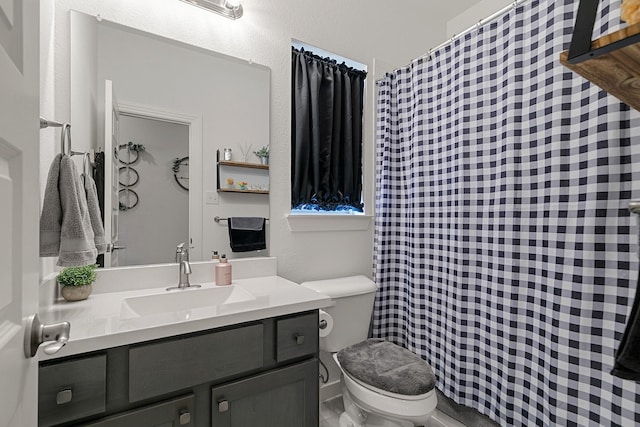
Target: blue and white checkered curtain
[[505, 253]]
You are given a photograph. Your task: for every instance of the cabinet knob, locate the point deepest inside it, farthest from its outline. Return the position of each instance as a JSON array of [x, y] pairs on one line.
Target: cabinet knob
[[299, 339], [64, 396], [223, 405], [185, 418]]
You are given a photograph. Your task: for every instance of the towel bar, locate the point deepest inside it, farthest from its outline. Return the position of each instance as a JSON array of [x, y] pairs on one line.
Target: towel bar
[[218, 219]]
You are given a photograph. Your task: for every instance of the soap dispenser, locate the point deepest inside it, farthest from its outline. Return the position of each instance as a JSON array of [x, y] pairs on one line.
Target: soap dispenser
[[223, 272]]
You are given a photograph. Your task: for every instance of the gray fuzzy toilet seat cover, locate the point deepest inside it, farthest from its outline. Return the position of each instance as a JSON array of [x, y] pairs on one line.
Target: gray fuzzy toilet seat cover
[[387, 366]]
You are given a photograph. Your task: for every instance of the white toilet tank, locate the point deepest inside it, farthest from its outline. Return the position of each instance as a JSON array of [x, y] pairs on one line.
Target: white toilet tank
[[353, 298]]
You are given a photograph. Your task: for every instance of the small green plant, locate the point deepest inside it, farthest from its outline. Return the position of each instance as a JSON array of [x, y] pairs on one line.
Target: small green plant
[[136, 147], [77, 276], [262, 152]]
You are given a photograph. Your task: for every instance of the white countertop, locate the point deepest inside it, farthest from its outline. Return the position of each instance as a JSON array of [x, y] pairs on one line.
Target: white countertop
[[102, 321]]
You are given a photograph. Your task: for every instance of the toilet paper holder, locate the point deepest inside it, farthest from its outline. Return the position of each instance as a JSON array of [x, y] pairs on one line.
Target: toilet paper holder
[[322, 324]]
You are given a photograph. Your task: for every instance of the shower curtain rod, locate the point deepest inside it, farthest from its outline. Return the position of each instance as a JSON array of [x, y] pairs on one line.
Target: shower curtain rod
[[480, 23]]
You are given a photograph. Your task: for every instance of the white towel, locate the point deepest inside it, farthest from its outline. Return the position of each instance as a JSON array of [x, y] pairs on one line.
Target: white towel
[[65, 222], [94, 213]]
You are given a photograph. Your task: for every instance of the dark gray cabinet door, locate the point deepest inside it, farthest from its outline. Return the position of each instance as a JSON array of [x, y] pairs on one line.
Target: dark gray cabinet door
[[283, 397]]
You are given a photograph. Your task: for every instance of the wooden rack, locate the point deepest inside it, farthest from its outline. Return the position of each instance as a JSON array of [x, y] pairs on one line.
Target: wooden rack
[[612, 62]]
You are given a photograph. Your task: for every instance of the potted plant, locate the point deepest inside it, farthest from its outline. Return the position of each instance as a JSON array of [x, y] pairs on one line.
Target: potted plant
[[75, 282], [263, 154]]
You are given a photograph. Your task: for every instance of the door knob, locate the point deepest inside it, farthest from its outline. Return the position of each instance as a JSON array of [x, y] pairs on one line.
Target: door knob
[[37, 333]]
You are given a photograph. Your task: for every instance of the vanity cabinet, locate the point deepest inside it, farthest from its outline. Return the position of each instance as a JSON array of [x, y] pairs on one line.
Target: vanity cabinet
[[262, 373]]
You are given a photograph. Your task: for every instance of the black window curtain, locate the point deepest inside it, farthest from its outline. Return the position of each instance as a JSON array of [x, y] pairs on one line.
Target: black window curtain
[[326, 133]]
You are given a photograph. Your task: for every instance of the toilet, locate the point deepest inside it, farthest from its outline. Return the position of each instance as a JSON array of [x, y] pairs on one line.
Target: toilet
[[383, 384]]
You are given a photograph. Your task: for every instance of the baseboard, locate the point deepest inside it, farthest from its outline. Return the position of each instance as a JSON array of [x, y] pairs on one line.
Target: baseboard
[[440, 419], [330, 390]]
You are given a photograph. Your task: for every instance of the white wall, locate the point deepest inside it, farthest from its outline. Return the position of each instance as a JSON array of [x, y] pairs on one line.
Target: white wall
[[475, 13], [152, 229], [364, 30]]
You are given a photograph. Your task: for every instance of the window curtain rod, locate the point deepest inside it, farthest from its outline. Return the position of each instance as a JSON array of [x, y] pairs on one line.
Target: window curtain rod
[[480, 23]]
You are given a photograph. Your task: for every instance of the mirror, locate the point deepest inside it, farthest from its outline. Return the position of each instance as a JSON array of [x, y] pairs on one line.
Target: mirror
[[172, 106]]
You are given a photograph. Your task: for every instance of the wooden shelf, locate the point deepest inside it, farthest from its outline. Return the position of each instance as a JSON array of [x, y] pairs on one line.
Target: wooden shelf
[[243, 165], [234, 170], [233, 190], [617, 71]]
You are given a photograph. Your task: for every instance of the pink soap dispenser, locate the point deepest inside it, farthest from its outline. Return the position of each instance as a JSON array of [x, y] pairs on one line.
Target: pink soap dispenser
[[223, 272]]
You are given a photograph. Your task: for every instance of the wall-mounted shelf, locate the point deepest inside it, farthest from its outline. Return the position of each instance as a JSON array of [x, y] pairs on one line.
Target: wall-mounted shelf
[[255, 174], [243, 165], [612, 62], [233, 190]]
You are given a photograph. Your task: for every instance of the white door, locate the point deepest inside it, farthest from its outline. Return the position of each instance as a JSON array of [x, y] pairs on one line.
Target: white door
[[19, 209], [111, 181]]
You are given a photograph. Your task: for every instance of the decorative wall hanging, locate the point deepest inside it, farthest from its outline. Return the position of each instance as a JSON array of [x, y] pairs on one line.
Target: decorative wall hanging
[[181, 171], [133, 152], [127, 199], [128, 176]]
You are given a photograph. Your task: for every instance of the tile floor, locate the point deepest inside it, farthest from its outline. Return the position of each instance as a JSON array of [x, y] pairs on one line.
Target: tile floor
[[451, 414], [330, 411]]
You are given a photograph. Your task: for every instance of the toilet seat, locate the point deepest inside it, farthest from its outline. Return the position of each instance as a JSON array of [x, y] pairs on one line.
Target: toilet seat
[[417, 408], [387, 366]]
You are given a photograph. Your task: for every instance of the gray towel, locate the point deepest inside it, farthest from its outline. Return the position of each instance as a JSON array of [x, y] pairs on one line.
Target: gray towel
[[247, 234], [94, 213], [247, 223], [65, 222], [51, 217]]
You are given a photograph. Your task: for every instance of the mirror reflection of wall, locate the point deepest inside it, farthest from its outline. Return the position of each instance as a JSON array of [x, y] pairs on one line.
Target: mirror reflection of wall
[[147, 236], [229, 98]]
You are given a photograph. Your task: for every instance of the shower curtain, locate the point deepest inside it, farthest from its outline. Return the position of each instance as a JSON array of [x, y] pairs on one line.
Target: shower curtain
[[505, 253]]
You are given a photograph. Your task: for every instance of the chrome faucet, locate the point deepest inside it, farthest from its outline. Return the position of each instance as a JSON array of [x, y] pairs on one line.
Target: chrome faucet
[[182, 258]]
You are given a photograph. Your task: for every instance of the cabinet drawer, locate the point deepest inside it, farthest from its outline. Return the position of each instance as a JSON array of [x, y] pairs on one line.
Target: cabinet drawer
[[176, 412], [296, 336], [164, 367], [71, 390]]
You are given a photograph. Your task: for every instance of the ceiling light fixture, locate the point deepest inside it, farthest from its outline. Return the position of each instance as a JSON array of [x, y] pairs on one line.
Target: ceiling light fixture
[[231, 9]]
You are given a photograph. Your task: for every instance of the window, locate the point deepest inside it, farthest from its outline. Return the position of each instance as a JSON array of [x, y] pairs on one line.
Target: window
[[326, 134]]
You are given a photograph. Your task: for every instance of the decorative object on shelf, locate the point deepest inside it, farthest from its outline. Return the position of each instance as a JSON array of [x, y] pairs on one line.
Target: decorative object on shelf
[[181, 171], [227, 154], [245, 150], [127, 199], [126, 179], [242, 185], [75, 282], [263, 155], [230, 182], [131, 148], [630, 11]]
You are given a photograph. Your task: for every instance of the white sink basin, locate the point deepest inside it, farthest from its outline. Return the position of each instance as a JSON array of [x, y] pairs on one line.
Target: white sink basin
[[187, 299]]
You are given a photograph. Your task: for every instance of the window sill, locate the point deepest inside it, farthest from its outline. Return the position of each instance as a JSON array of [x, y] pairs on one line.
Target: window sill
[[328, 222]]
